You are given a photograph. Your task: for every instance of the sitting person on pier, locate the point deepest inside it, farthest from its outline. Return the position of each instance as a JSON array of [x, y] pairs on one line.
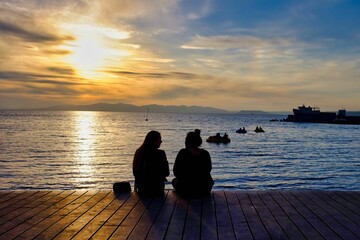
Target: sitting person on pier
[[150, 166], [192, 168]]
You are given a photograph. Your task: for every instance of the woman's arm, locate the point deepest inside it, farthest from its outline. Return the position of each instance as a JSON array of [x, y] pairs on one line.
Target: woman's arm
[[165, 165], [208, 165], [137, 163], [179, 164]]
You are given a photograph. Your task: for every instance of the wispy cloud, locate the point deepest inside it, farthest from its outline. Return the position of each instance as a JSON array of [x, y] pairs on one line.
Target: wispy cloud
[[67, 71], [223, 42], [9, 29], [28, 77], [166, 75]]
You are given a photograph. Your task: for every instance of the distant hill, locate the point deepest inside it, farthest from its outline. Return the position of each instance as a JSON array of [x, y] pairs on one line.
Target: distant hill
[[121, 107]]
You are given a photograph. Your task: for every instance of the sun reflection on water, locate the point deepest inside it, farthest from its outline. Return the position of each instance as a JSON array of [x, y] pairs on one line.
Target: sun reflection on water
[[86, 140]]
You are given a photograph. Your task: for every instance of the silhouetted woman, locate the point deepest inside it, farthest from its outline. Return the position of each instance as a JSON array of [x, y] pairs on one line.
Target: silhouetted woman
[[192, 168], [150, 166]]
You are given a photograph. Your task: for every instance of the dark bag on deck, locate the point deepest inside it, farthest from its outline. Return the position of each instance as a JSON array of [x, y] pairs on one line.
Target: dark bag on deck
[[121, 187]]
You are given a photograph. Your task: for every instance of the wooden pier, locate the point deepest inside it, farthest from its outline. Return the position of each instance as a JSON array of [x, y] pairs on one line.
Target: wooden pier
[[222, 215]]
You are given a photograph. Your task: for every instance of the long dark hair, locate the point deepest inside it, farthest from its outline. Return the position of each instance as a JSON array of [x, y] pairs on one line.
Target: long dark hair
[[148, 145], [150, 140]]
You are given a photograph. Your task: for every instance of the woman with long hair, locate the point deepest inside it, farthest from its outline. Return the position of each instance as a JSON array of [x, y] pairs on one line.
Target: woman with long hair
[[192, 168], [150, 166]]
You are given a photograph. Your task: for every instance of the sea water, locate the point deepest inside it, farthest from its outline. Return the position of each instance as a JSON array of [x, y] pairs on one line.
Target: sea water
[[92, 150]]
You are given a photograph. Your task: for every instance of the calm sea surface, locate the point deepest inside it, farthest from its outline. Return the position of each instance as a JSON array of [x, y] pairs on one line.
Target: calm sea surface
[[92, 150]]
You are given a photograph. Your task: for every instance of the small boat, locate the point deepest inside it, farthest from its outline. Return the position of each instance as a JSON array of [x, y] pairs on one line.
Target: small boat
[[218, 139], [241, 130], [259, 129]]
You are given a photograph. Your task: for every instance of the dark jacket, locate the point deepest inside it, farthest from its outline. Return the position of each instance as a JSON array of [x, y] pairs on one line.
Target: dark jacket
[[192, 172], [150, 170]]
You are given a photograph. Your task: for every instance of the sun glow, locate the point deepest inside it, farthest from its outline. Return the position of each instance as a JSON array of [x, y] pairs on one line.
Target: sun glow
[[93, 49], [88, 55], [85, 137]]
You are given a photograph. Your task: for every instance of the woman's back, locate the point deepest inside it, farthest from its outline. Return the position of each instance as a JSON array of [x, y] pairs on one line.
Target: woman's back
[[192, 168], [155, 167], [192, 165]]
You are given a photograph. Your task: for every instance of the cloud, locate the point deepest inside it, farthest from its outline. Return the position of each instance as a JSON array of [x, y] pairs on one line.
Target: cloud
[[57, 52], [209, 62], [33, 25], [223, 42], [16, 100], [9, 29], [43, 90], [130, 9], [184, 84], [158, 60], [62, 70], [160, 75], [173, 92], [28, 77], [199, 10]]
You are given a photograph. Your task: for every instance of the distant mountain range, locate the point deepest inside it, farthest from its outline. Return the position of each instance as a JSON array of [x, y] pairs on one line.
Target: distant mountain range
[[153, 108]]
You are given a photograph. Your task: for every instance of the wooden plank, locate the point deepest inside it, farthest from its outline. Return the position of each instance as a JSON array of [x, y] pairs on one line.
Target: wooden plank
[[90, 199], [240, 225], [224, 224], [293, 222], [273, 228], [109, 227], [177, 222], [192, 228], [354, 195], [161, 224], [49, 216], [354, 210], [143, 227], [129, 223], [208, 220], [22, 206], [5, 195], [351, 199], [336, 211], [5, 192], [325, 217], [72, 229], [96, 223], [257, 228], [23, 221], [12, 201], [310, 217]]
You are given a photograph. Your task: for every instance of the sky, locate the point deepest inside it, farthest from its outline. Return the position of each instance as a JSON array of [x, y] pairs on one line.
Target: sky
[[229, 54]]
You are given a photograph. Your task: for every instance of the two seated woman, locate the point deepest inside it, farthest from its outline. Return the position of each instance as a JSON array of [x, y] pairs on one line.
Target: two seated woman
[[192, 167]]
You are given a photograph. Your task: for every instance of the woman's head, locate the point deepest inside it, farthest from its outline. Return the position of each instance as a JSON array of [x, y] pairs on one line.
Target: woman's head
[[193, 139], [152, 140]]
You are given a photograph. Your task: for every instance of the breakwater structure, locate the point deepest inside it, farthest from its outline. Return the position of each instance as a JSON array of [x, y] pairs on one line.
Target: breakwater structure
[[314, 115]]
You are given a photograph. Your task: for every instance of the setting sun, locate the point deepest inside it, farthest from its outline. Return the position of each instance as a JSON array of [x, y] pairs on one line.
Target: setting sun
[[92, 49]]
